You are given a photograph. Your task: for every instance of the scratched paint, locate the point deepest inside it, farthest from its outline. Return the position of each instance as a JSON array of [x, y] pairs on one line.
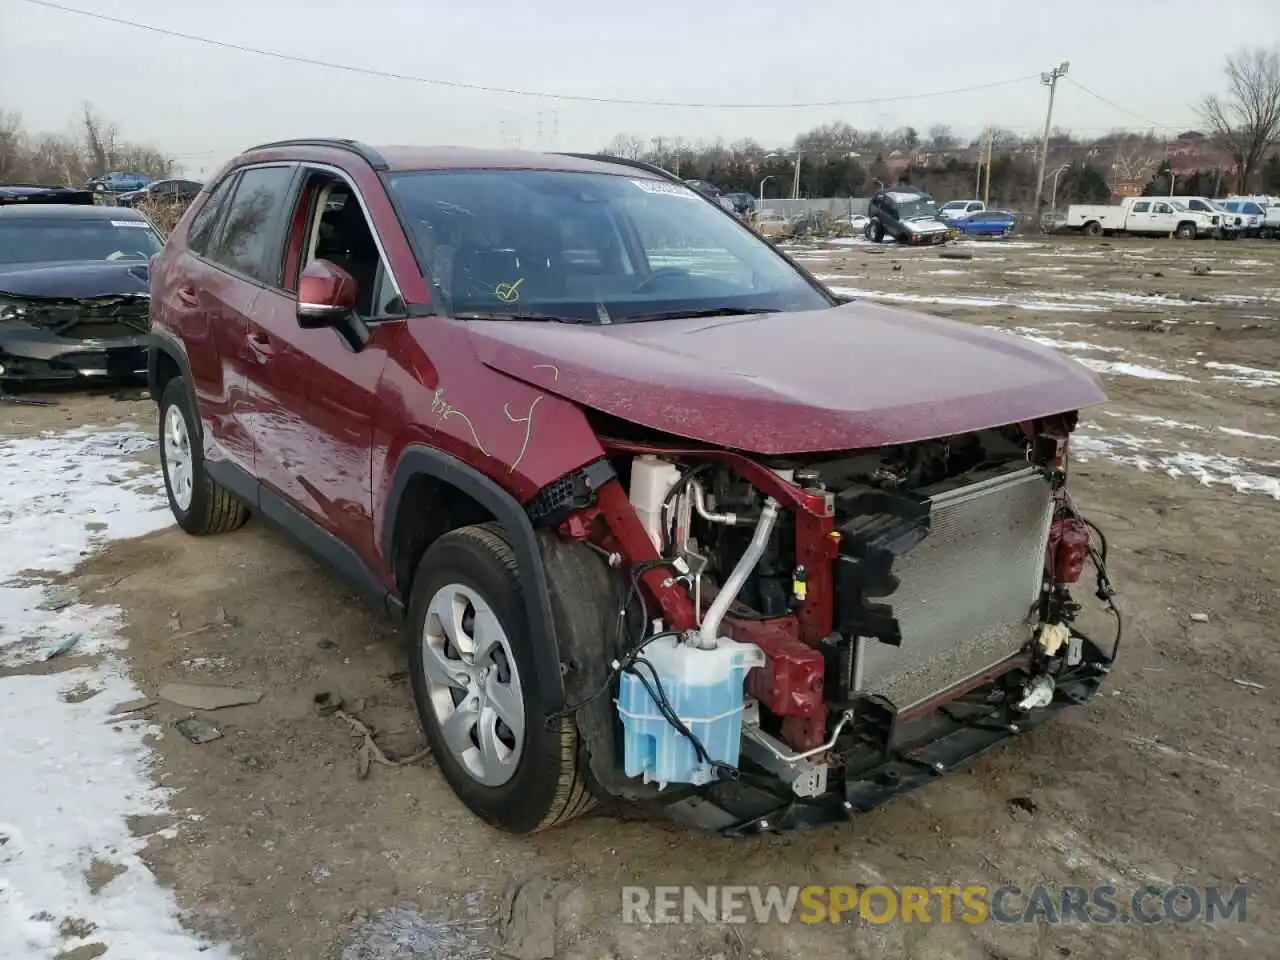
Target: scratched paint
[[442, 410]]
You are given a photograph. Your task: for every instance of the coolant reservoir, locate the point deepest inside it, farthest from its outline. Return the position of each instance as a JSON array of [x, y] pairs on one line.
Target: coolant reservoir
[[651, 480], [705, 690]]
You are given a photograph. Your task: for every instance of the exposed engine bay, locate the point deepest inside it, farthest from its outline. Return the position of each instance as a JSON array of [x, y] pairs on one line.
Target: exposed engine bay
[[837, 628]]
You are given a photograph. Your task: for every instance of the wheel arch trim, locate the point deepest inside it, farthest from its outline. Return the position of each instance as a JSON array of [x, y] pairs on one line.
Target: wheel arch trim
[[418, 460]]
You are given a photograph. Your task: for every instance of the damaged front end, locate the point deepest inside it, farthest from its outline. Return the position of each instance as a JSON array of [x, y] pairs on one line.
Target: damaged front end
[[833, 629], [59, 339]]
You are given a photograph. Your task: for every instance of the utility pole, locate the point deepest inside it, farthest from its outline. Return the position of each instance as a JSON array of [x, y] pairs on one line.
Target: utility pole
[[986, 190], [1049, 80], [795, 187]]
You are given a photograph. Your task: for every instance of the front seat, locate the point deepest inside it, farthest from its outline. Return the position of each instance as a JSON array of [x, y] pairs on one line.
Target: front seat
[[350, 245]]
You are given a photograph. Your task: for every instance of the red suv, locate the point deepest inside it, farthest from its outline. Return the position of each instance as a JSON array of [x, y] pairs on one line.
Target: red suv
[[666, 521]]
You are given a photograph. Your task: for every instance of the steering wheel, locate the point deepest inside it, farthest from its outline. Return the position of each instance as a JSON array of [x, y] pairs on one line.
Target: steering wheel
[[657, 276]]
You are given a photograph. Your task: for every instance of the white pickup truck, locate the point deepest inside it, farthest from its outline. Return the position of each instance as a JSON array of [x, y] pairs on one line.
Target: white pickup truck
[[1142, 215], [957, 209]]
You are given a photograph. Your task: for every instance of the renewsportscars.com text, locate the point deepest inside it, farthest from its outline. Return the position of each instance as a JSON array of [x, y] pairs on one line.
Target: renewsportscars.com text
[[972, 904]]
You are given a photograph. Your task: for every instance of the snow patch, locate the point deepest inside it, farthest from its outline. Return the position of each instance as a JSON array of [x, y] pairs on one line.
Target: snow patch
[[71, 874], [1121, 369], [1246, 376], [1237, 432], [1208, 469]]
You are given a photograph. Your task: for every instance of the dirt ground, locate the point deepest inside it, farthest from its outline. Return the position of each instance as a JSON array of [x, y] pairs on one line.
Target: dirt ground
[[1170, 776]]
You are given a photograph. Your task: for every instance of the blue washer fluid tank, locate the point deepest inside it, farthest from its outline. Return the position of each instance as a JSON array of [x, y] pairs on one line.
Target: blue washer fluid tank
[[705, 689]]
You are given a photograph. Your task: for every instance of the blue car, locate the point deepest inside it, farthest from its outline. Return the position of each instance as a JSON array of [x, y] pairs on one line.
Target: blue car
[[118, 181], [985, 223]]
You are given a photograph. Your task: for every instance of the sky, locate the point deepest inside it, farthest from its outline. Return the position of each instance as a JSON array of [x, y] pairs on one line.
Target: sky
[[1152, 59]]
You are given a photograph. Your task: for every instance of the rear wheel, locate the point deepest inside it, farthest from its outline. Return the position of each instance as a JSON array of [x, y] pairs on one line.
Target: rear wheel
[[474, 683], [199, 504], [1093, 229]]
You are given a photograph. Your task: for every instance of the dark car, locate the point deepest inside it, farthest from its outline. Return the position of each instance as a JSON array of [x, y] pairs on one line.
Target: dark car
[[73, 292], [509, 394], [705, 187], [14, 193], [743, 203], [906, 215], [162, 191], [985, 223]]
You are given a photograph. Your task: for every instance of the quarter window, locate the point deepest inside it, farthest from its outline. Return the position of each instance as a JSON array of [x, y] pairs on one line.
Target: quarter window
[[205, 225]]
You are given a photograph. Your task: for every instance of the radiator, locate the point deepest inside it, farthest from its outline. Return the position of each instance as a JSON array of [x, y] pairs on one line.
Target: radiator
[[967, 591]]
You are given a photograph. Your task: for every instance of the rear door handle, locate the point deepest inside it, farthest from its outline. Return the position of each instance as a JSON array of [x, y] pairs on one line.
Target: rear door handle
[[187, 296], [261, 345]]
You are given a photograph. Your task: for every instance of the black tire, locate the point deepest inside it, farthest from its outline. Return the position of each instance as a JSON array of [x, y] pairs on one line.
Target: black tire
[[875, 231], [1185, 231], [550, 785], [212, 508], [1093, 229]]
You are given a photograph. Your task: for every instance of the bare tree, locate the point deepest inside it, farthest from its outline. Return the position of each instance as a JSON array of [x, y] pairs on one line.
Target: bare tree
[[626, 146], [12, 157], [1246, 120], [99, 141], [941, 137]]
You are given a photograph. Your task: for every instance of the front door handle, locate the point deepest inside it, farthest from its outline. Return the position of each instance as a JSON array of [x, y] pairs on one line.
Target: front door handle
[[261, 345], [187, 296]]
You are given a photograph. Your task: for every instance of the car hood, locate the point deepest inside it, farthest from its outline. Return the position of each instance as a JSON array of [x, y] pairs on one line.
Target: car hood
[[925, 225], [75, 280], [854, 376]]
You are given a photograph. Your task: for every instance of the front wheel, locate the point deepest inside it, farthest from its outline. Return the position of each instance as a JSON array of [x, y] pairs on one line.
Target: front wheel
[[1186, 231], [875, 231], [475, 687], [198, 503]]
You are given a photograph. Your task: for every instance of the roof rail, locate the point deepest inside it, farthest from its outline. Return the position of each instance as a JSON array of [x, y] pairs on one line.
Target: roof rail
[[624, 161], [362, 150]]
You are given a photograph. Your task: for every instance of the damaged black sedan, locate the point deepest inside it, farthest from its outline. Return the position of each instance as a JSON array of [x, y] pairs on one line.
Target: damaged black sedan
[[74, 292]]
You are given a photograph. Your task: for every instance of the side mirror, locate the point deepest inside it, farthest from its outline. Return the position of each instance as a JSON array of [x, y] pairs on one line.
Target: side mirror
[[326, 295]]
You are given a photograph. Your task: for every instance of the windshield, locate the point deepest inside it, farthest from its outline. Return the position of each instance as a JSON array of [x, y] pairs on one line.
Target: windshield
[[60, 241], [914, 209], [588, 247]]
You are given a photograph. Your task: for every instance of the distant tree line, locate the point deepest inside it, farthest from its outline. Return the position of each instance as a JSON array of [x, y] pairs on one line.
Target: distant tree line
[[838, 160], [91, 147]]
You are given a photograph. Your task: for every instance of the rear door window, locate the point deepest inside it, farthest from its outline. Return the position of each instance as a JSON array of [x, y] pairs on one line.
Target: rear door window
[[250, 240]]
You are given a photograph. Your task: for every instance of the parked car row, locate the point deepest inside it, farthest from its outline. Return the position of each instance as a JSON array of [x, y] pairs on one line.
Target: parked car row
[[1186, 218]]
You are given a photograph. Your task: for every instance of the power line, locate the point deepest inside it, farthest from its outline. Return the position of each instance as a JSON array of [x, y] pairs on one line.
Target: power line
[[544, 95], [1113, 104]]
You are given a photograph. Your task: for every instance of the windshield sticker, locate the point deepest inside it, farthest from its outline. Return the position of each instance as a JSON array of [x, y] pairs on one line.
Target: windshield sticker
[[508, 292], [129, 223], [662, 188]]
